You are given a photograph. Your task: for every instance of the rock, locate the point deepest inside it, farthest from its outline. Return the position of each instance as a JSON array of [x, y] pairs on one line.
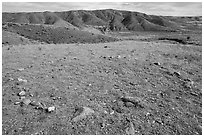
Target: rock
[[30, 66], [22, 80], [148, 114], [11, 79], [27, 101], [188, 83], [130, 130], [52, 95], [22, 97], [20, 69], [50, 109], [37, 105], [178, 74], [25, 89], [119, 56], [157, 63], [194, 94], [34, 103], [133, 101], [111, 113], [158, 121], [22, 93], [16, 103], [105, 112], [129, 104], [54, 98], [31, 95], [85, 112]]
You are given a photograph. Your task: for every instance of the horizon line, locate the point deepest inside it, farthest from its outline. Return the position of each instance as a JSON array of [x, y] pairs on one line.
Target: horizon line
[[99, 10]]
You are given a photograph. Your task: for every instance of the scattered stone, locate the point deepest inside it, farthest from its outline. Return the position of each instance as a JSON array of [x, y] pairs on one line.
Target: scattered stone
[[188, 83], [157, 63], [129, 104], [20, 69], [50, 109], [37, 105], [22, 80], [168, 73], [22, 93], [52, 95], [105, 112], [25, 89], [11, 79], [34, 103], [194, 94], [26, 101], [85, 112], [159, 121], [137, 102], [110, 57], [31, 95], [132, 84], [30, 66], [148, 114], [177, 97], [55, 98], [59, 98], [16, 103], [112, 112], [149, 90], [178, 74], [130, 130], [22, 97]]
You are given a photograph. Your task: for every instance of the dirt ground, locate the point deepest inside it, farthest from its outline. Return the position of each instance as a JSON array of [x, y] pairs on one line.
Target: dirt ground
[[129, 87]]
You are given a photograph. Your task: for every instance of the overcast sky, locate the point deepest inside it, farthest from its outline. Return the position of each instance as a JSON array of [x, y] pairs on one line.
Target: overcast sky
[[154, 8]]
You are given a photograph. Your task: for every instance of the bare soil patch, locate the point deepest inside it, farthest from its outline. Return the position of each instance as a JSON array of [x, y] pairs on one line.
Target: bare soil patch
[[126, 87]]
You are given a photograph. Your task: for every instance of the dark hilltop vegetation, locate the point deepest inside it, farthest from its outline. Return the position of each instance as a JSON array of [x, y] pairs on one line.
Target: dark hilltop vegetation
[[101, 72]]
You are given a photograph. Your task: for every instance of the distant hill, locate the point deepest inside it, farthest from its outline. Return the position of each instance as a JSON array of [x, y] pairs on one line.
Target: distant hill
[[89, 26], [114, 20]]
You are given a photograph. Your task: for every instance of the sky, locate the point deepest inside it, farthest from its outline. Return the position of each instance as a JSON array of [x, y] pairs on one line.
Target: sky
[[152, 8]]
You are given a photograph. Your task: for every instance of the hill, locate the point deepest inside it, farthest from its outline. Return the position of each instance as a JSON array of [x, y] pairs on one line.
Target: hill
[[116, 20], [91, 26]]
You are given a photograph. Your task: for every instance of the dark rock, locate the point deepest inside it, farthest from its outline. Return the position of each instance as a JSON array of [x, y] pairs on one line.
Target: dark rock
[[193, 93], [135, 101], [178, 74], [157, 63]]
